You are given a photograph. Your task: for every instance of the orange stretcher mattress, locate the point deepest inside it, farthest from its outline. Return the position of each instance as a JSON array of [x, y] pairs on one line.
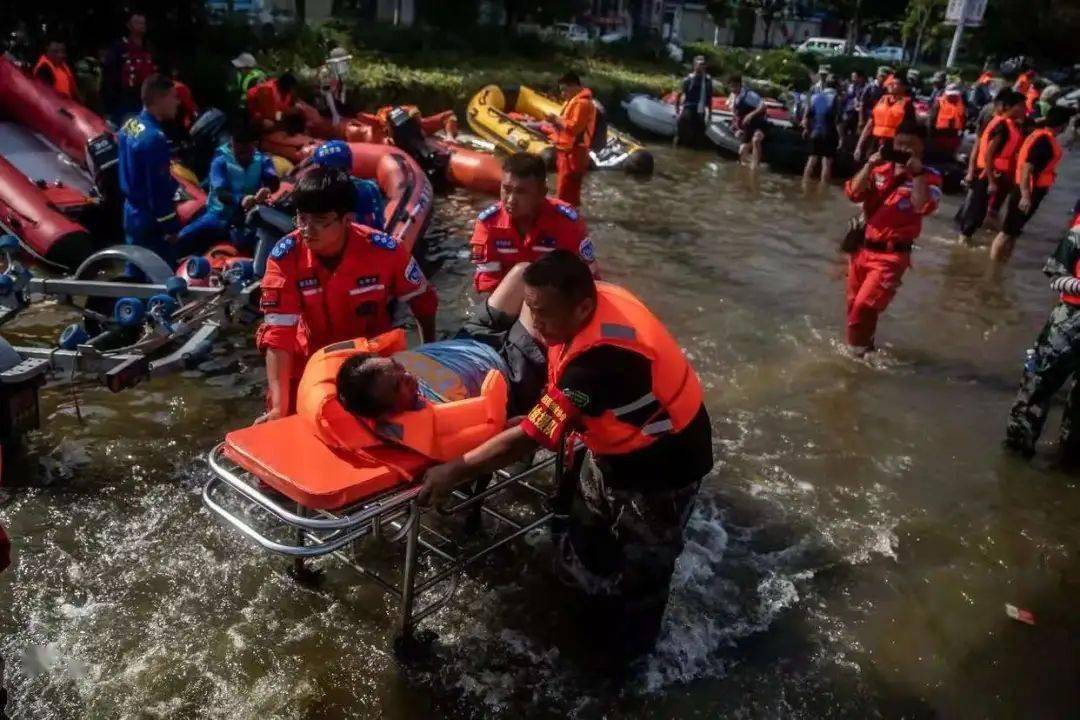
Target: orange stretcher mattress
[[287, 456]]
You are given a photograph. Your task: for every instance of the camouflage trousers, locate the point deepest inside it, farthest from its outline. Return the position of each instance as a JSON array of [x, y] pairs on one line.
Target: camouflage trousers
[[619, 553], [1050, 364]]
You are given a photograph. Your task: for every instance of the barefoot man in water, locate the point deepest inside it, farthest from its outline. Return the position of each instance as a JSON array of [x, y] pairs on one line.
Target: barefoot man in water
[[896, 193]]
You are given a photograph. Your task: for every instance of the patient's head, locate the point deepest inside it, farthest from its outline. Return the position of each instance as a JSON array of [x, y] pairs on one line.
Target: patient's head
[[373, 387]]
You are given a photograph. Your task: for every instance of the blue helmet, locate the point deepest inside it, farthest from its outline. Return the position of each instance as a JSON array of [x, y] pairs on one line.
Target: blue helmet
[[334, 154]]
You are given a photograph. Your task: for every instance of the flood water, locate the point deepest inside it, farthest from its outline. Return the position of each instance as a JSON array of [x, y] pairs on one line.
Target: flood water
[[850, 556]]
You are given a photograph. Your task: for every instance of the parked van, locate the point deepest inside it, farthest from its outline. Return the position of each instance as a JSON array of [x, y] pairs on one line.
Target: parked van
[[828, 47]]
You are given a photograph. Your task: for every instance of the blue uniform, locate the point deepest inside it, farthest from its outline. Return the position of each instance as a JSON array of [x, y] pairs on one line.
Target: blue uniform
[[230, 182], [369, 204], [147, 184], [450, 370]]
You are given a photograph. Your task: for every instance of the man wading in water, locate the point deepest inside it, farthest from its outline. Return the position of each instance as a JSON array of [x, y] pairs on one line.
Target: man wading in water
[[620, 382]]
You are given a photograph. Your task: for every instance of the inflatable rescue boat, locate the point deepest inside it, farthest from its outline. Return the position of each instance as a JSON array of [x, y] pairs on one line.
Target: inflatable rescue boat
[[58, 173], [513, 119]]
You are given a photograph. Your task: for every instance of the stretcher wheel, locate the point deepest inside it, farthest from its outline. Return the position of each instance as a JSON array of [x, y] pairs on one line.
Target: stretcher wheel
[[241, 271], [129, 312], [73, 336], [7, 284], [164, 305], [175, 286], [8, 243], [198, 268]]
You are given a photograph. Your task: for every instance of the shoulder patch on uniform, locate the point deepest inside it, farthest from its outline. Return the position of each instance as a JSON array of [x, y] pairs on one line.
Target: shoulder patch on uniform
[[488, 212], [384, 241], [413, 273], [567, 211], [284, 247], [587, 251]]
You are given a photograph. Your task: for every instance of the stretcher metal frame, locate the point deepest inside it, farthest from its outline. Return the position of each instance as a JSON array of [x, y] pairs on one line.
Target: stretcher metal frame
[[395, 516]]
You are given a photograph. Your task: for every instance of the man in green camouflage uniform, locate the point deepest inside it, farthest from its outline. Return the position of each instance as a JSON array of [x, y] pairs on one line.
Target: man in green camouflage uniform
[[1054, 359]]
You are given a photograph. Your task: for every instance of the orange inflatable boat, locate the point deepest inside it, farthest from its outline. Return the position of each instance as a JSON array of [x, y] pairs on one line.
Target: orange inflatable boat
[[325, 458], [443, 159], [59, 163]]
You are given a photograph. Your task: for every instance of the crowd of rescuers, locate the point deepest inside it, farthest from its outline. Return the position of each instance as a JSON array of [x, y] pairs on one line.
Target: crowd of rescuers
[[581, 356]]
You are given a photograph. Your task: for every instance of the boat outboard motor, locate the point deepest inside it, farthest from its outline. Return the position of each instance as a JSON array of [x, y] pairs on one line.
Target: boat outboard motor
[[600, 134], [270, 225], [207, 135], [407, 135]]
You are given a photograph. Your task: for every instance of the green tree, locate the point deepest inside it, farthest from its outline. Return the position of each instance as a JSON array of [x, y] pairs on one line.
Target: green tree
[[921, 17]]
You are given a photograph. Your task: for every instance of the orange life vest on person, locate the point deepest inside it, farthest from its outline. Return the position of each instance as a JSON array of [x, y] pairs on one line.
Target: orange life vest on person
[[950, 115], [1045, 178], [266, 102], [437, 432], [582, 103], [888, 114], [1005, 161], [63, 78], [623, 321]]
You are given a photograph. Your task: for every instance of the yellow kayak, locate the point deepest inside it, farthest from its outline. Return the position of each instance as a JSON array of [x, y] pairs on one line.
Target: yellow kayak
[[511, 119]]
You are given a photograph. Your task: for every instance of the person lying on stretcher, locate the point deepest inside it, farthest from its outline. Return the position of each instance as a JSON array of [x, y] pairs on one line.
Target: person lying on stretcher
[[372, 386]]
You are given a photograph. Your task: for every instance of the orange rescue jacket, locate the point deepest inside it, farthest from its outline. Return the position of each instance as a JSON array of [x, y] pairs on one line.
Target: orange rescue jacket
[[63, 79], [438, 432], [888, 114], [1005, 160], [950, 115], [623, 321], [1045, 178]]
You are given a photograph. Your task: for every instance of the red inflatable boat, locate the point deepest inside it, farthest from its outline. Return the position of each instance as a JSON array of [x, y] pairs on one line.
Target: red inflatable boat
[[56, 156]]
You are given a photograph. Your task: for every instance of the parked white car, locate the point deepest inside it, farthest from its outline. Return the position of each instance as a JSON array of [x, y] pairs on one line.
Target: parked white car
[[829, 47], [888, 53], [570, 32]]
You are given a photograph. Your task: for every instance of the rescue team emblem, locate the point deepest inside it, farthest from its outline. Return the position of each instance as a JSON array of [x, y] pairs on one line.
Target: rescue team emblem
[[367, 281], [488, 212], [569, 212], [270, 298], [384, 241], [547, 416], [413, 273], [548, 242], [307, 283], [504, 244], [283, 247], [587, 251]]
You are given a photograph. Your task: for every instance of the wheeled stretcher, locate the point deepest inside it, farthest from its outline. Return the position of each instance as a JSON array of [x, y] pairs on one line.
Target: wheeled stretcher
[[284, 489]]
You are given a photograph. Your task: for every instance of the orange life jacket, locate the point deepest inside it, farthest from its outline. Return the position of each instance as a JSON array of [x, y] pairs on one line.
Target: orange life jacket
[[888, 114], [438, 432], [266, 102], [621, 320], [950, 115], [580, 104], [1005, 161], [63, 78], [1045, 178]]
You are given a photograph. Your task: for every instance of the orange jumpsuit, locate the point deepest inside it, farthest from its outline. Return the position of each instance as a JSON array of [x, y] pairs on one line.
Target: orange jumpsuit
[[572, 143], [496, 245], [307, 305]]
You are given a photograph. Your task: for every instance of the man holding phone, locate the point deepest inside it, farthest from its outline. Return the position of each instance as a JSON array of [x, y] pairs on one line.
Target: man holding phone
[[896, 192]]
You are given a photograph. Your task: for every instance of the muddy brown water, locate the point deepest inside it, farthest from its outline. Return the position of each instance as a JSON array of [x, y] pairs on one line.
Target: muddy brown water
[[850, 556]]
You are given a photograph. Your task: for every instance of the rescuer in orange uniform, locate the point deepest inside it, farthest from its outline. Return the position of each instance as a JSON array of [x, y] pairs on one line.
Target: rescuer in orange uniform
[[896, 192], [269, 102], [948, 114], [993, 163], [525, 225], [574, 128], [330, 281], [1036, 170], [892, 110], [52, 69], [618, 380]]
